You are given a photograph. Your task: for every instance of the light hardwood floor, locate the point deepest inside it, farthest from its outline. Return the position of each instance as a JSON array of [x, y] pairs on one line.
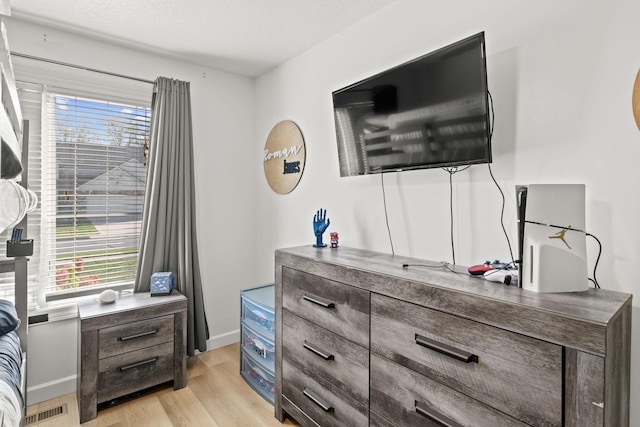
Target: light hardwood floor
[[215, 396]]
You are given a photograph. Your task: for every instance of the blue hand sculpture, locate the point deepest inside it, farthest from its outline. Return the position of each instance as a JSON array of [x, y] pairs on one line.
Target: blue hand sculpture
[[320, 224]]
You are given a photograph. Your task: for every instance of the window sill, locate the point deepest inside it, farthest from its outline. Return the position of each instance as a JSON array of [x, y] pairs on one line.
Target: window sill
[[84, 292]]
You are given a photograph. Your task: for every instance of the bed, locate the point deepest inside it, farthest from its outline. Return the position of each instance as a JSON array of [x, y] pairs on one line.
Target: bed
[[13, 347], [13, 314], [11, 365]]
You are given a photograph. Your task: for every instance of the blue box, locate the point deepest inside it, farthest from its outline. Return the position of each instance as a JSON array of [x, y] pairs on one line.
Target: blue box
[[161, 283]]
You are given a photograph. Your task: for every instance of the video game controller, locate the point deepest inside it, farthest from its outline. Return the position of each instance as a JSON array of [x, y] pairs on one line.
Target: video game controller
[[477, 270], [506, 276]]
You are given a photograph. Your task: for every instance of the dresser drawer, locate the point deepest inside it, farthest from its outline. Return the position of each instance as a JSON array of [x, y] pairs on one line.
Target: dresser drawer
[[137, 370], [136, 335], [335, 306], [327, 355], [518, 375], [319, 400], [417, 400]]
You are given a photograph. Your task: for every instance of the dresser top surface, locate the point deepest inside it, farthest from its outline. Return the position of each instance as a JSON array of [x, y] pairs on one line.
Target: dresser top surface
[[594, 305], [127, 302]]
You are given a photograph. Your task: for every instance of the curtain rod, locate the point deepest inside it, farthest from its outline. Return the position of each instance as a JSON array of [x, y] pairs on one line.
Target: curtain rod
[[65, 64]]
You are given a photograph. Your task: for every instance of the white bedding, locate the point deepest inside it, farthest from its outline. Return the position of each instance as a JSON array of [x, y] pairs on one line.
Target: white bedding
[[10, 406]]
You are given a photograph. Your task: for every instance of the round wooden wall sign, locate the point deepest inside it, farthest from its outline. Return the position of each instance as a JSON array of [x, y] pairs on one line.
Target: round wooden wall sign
[[284, 157], [636, 100]]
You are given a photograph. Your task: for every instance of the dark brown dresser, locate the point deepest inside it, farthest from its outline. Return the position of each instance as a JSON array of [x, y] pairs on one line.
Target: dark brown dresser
[[134, 343], [362, 340]]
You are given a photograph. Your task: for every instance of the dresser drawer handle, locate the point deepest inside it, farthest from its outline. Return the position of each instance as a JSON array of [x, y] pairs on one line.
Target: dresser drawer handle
[[318, 300], [320, 353], [317, 400], [140, 363], [434, 416], [445, 349], [140, 335]]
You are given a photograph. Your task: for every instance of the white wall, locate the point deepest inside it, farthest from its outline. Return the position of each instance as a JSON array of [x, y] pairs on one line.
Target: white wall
[[223, 117], [561, 75]]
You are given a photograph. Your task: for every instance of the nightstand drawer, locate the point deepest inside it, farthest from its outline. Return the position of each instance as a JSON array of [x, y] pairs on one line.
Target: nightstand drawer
[[327, 355], [134, 336], [417, 400], [319, 400], [155, 362], [335, 306], [518, 375]]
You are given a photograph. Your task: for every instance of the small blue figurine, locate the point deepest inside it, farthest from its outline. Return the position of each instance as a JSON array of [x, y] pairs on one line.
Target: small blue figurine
[[320, 224]]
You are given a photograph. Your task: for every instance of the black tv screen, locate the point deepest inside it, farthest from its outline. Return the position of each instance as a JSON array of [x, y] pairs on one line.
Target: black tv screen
[[429, 112]]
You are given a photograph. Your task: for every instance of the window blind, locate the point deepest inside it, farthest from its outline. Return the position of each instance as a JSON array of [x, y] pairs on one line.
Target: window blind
[[30, 96], [92, 196]]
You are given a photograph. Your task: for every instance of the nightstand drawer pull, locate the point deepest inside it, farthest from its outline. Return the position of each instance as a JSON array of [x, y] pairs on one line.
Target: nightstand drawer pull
[[318, 300], [445, 349], [434, 416], [317, 400], [140, 363], [320, 353], [140, 335]]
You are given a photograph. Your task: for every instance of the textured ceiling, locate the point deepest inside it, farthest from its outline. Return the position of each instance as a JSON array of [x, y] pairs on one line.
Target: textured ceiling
[[247, 37]]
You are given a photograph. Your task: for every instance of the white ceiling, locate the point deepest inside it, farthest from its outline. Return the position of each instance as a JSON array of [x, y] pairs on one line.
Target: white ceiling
[[247, 37]]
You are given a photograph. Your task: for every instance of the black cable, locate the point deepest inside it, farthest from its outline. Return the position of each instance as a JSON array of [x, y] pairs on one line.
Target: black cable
[[443, 264], [453, 248], [595, 267], [386, 216], [504, 230], [451, 171], [493, 116]]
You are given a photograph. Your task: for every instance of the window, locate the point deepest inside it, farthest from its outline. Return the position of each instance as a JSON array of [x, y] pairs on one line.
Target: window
[[93, 183], [86, 164]]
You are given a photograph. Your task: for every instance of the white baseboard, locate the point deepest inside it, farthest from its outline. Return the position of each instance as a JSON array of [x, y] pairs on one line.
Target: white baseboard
[[223, 339], [51, 390]]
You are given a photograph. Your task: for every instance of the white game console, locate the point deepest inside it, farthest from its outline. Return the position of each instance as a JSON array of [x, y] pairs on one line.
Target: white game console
[[551, 237]]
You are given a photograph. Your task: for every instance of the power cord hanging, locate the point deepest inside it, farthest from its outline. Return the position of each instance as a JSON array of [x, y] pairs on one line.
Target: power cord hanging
[[451, 171], [386, 216], [453, 248], [595, 267], [504, 230]]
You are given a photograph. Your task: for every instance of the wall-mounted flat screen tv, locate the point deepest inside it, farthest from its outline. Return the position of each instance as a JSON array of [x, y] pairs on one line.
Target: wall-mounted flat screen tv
[[430, 112]]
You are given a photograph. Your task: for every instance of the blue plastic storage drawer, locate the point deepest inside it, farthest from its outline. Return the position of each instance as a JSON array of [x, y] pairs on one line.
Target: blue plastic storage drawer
[[258, 343], [261, 315], [260, 379]]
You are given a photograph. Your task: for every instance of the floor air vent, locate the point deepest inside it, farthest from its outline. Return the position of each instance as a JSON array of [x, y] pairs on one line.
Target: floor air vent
[[46, 414]]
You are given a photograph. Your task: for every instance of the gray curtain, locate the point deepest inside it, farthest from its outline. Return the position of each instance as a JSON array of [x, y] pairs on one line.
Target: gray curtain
[[169, 236]]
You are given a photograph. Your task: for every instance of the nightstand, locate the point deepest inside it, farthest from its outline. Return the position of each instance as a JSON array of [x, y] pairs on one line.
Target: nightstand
[[134, 343]]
